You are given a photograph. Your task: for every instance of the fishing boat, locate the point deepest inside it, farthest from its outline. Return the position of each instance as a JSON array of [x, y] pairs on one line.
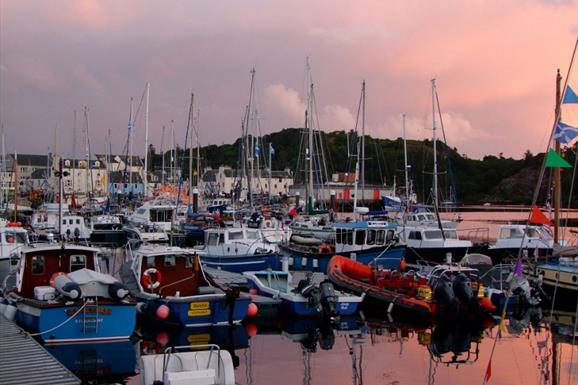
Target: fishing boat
[[306, 299], [154, 214], [60, 296], [179, 365], [238, 249], [171, 286], [137, 235], [107, 231], [363, 241], [535, 240], [12, 239], [559, 278]]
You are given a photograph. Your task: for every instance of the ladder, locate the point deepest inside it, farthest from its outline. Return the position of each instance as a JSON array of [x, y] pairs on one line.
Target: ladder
[[90, 315]]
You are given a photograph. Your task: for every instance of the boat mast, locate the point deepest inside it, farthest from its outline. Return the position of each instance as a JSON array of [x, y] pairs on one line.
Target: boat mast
[[197, 179], [309, 203], [250, 144], [15, 172], [129, 160], [3, 192], [191, 124], [145, 176], [557, 179], [89, 182], [74, 153], [270, 170], [363, 142], [405, 164], [435, 159], [163, 156], [173, 153]]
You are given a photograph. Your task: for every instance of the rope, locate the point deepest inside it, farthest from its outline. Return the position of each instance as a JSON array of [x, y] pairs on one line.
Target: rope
[[61, 324]]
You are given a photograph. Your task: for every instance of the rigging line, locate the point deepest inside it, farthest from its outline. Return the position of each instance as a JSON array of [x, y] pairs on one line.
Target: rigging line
[[573, 343], [453, 189], [139, 105]]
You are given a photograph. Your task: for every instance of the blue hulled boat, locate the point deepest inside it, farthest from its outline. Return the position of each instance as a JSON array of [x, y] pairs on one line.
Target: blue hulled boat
[[304, 299], [172, 287], [60, 296]]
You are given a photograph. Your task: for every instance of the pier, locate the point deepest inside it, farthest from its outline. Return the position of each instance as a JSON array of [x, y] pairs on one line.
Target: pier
[[24, 361]]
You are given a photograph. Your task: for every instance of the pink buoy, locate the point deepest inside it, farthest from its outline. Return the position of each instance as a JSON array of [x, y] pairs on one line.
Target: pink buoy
[[251, 329], [252, 310], [163, 311], [162, 338]]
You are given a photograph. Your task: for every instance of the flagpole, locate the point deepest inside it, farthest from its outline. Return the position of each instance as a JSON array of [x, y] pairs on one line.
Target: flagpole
[[557, 179]]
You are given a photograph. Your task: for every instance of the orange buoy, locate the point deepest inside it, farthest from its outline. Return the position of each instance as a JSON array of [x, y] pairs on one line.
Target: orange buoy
[[252, 310], [487, 304]]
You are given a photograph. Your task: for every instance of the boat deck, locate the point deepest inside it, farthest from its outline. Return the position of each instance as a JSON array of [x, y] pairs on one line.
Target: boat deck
[[25, 361]]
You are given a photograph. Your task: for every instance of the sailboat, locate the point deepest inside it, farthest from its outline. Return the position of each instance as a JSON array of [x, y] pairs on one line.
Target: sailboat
[[428, 239]]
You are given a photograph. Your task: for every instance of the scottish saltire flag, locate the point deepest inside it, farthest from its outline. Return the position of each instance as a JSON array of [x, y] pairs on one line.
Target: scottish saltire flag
[[565, 133], [570, 96], [271, 150], [257, 149]]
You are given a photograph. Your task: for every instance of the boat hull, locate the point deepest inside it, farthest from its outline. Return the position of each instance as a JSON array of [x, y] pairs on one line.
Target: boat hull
[[307, 261], [107, 322], [242, 263], [200, 312]]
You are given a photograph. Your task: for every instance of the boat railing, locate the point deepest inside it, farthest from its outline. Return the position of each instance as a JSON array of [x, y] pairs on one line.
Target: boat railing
[[477, 235], [210, 347]]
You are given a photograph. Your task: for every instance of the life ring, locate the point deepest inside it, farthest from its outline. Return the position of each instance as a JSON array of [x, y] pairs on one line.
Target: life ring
[[268, 223], [146, 278], [53, 278], [325, 249]]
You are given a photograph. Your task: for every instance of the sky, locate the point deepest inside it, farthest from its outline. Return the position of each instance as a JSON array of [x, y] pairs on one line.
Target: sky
[[494, 62]]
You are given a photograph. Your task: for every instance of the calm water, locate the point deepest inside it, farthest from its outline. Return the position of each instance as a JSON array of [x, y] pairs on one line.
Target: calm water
[[375, 351]]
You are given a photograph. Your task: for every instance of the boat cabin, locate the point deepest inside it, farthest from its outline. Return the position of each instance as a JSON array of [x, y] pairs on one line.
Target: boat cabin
[[154, 215], [168, 271], [363, 235], [516, 236], [427, 237], [38, 265]]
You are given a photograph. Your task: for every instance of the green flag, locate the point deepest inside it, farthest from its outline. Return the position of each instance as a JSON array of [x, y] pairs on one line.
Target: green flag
[[553, 159]]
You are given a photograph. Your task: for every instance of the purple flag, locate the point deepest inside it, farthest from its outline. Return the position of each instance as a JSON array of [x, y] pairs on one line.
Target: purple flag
[[518, 271]]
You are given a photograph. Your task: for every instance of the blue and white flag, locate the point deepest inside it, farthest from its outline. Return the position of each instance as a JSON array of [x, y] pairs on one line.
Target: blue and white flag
[[257, 149], [565, 133], [271, 150], [570, 96], [130, 126]]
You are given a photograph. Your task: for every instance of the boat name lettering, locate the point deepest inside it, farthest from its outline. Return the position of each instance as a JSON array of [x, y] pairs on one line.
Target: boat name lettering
[[103, 311], [199, 339], [199, 305]]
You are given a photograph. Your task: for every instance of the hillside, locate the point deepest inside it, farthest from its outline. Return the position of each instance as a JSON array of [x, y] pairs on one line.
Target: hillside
[[492, 179]]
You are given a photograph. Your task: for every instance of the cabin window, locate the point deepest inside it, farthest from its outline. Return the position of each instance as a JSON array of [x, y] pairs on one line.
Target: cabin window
[[532, 233], [64, 221], [235, 235], [189, 261], [379, 237], [251, 235], [348, 237], [71, 221], [38, 264], [77, 262], [390, 235], [433, 234], [150, 262], [359, 237], [338, 236], [170, 260], [371, 237], [78, 221], [161, 215], [415, 235], [221, 238], [213, 239], [15, 237], [450, 234], [141, 211]]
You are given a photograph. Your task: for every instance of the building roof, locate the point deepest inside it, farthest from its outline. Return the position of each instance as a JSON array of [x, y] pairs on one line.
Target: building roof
[[28, 160], [41, 173]]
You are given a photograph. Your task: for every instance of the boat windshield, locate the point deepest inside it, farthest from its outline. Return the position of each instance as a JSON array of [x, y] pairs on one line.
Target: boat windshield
[[437, 234], [15, 237]]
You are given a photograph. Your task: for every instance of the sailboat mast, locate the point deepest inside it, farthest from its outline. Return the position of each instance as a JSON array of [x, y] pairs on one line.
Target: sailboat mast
[[2, 193], [146, 157], [190, 133], [251, 147], [405, 164], [435, 159], [557, 179], [173, 153], [309, 203], [197, 180], [129, 160], [362, 142], [16, 185], [163, 156]]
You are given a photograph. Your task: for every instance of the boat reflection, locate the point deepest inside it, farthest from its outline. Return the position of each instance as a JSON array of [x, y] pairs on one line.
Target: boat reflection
[[154, 339], [97, 363]]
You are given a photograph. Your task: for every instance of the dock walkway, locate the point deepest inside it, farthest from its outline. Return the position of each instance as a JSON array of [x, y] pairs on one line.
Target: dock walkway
[[25, 361]]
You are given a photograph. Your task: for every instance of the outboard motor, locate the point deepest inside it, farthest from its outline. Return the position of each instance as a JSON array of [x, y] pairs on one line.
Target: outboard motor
[[328, 299], [463, 289], [117, 291], [443, 293], [67, 287]]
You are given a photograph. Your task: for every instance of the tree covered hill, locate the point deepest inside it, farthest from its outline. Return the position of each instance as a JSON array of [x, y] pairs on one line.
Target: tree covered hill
[[494, 179]]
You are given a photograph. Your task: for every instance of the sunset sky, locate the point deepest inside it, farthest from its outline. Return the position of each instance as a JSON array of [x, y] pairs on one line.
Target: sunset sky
[[495, 63]]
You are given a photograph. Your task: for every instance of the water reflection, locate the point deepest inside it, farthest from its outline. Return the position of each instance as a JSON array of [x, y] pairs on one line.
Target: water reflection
[[98, 363]]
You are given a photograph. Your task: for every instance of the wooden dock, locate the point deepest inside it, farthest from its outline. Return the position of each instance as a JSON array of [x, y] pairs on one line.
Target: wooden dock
[[25, 361]]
